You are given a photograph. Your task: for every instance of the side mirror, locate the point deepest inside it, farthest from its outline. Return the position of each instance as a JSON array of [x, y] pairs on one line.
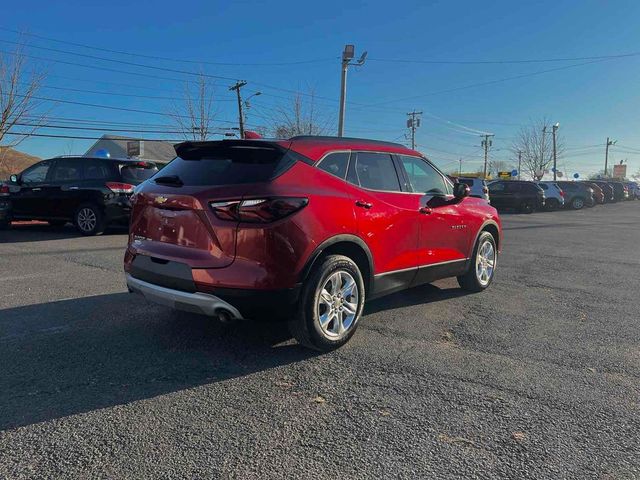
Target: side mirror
[[461, 190], [14, 179]]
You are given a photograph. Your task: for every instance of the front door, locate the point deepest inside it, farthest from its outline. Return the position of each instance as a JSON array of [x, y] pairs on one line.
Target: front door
[[443, 244], [65, 187], [30, 200]]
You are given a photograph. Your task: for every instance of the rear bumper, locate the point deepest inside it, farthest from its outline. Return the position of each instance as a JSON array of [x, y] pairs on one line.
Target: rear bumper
[[202, 303]]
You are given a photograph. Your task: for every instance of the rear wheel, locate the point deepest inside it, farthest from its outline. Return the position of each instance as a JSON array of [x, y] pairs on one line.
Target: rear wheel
[[577, 203], [483, 265], [330, 306], [89, 220]]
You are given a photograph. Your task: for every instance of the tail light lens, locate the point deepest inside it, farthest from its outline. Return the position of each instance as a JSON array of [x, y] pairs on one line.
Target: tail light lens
[[259, 210], [4, 190], [485, 190], [119, 187], [562, 193]]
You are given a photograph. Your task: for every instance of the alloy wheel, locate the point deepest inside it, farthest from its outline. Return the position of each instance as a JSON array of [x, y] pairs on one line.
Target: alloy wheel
[[485, 262], [337, 304], [87, 219]]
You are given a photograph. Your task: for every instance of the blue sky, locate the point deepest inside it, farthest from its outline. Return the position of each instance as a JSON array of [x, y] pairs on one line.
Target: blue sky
[[590, 101]]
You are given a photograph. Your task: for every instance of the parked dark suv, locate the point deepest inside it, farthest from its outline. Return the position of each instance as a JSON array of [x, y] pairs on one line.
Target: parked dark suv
[[90, 192], [521, 195], [306, 228]]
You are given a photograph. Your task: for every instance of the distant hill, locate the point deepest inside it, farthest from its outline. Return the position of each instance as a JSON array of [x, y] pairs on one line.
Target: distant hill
[[13, 161]]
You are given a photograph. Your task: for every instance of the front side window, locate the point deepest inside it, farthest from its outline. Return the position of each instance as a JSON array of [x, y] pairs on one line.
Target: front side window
[[335, 164], [376, 171], [423, 177], [67, 170], [37, 173]]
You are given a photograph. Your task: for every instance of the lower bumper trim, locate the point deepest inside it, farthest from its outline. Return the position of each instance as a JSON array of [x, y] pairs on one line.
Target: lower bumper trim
[[202, 303]]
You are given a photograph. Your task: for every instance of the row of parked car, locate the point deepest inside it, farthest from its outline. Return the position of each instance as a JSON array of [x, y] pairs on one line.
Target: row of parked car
[[529, 196]]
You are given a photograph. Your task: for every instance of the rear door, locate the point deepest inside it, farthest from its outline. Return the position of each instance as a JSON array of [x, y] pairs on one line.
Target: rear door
[[30, 200], [388, 219], [498, 194]]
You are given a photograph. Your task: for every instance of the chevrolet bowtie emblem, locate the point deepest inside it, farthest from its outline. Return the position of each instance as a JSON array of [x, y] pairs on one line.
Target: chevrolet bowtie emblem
[[161, 199]]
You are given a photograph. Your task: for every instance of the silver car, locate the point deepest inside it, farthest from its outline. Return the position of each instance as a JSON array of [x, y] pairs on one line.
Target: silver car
[[553, 194], [478, 187]]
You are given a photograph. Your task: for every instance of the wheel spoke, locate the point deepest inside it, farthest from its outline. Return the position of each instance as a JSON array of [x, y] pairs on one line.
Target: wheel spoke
[[347, 287], [335, 281], [350, 308], [325, 297], [326, 318]]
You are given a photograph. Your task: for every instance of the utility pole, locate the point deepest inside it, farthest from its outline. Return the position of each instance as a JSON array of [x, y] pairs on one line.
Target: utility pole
[[239, 84], [519, 162], [460, 169], [555, 160], [606, 155], [486, 143], [347, 56], [413, 123]]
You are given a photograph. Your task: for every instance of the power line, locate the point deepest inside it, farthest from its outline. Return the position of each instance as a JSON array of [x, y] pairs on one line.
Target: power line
[[77, 137], [156, 57], [497, 62], [490, 82], [102, 129]]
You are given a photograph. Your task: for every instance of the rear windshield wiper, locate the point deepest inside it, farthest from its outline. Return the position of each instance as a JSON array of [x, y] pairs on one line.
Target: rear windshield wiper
[[169, 180]]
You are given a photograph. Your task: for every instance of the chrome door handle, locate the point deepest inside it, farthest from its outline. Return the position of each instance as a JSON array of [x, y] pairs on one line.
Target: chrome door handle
[[363, 204], [74, 188], [36, 189]]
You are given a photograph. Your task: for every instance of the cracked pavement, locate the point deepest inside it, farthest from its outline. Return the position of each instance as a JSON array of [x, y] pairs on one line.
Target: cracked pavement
[[537, 377]]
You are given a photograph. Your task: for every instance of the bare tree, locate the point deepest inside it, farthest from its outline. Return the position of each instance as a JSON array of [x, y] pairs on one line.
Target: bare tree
[[536, 144], [299, 118], [20, 111], [194, 117], [496, 166]]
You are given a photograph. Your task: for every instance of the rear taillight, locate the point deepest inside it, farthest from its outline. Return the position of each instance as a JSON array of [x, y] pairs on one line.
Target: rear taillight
[[562, 193], [259, 210], [119, 187], [485, 190], [4, 190]]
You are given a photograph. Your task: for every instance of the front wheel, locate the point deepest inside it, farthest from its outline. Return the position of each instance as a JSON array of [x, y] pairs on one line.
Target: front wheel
[[483, 265], [526, 207], [552, 204], [330, 305]]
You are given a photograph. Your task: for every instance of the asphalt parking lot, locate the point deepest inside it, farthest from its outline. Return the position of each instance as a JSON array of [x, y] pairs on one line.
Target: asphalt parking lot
[[538, 377]]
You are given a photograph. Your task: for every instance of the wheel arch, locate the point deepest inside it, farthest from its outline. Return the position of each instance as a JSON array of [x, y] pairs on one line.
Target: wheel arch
[[348, 245]]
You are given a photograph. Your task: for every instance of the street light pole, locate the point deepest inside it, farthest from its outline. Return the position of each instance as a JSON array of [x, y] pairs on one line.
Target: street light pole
[[606, 155], [347, 56], [486, 143]]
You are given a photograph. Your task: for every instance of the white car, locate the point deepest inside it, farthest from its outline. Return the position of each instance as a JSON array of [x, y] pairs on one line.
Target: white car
[[478, 187], [553, 194]]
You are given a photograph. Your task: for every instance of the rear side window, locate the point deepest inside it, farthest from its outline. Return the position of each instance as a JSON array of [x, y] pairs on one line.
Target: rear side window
[[229, 165], [496, 187], [335, 164], [95, 169], [543, 186], [376, 171], [137, 173]]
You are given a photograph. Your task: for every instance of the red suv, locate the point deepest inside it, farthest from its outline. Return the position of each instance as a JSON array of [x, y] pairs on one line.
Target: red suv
[[306, 228]]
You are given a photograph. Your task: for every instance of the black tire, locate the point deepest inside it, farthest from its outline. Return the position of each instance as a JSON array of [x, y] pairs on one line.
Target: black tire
[[305, 325], [470, 281], [552, 204], [57, 223], [577, 203], [89, 211]]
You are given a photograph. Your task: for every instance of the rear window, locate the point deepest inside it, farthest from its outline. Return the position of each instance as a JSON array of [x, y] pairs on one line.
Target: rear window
[[466, 181], [137, 173], [229, 165]]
